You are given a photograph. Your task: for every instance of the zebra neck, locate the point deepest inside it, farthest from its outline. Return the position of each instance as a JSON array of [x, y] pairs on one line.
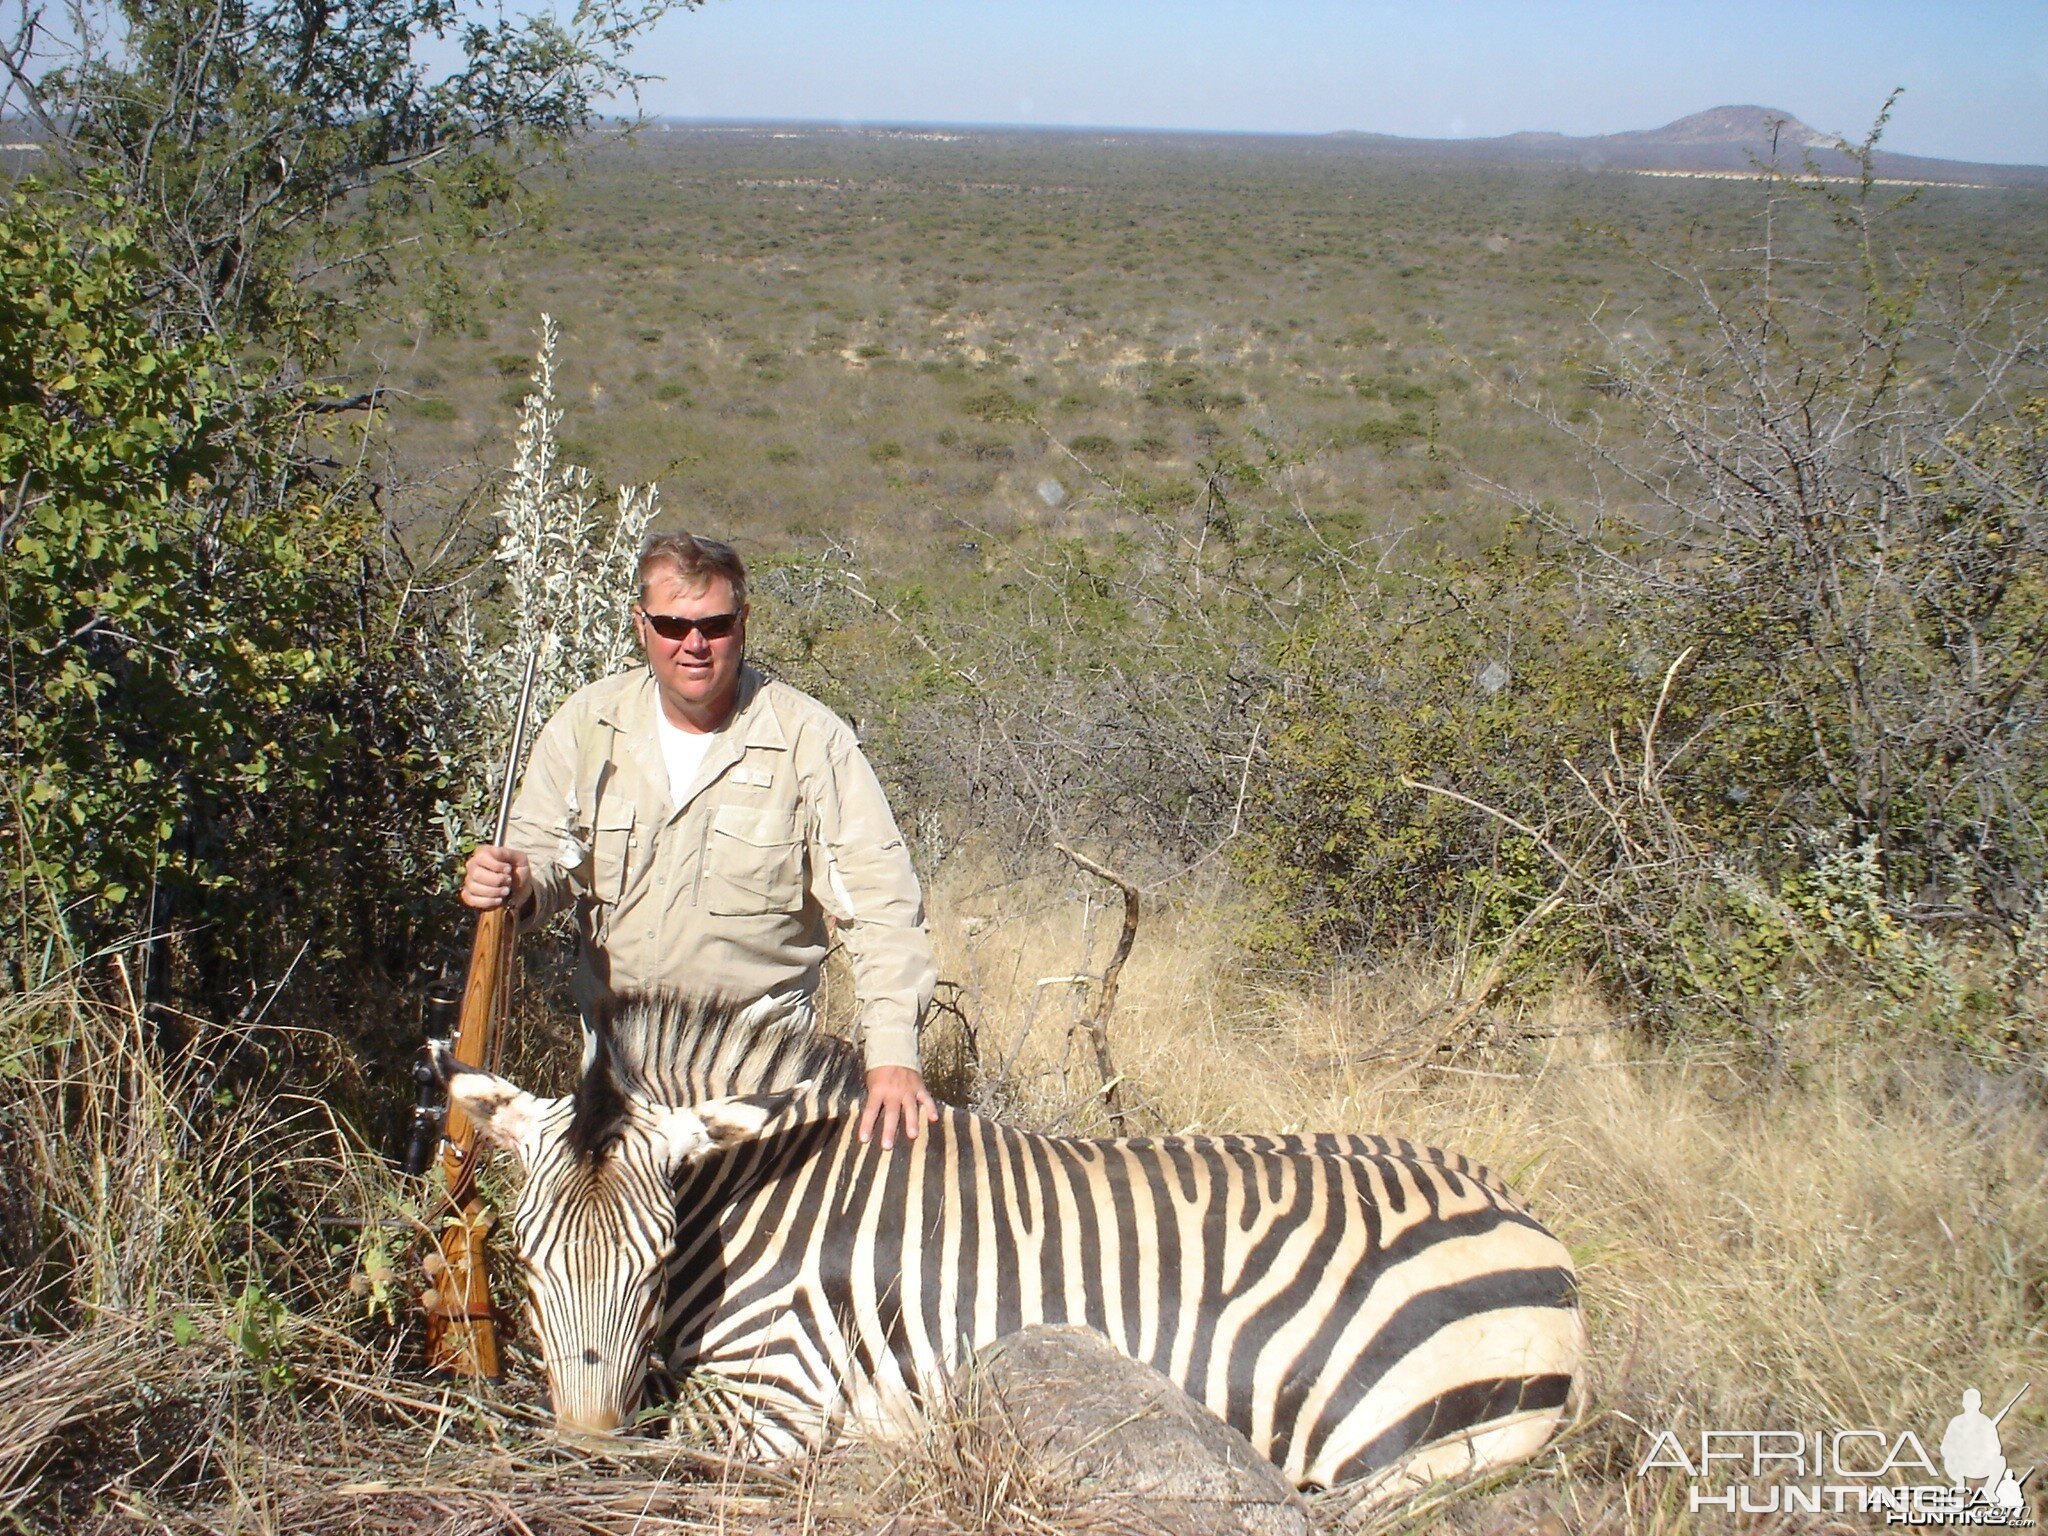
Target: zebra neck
[[683, 1050]]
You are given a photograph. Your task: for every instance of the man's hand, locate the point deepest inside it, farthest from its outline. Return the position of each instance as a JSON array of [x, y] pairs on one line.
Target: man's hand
[[497, 877], [896, 1094]]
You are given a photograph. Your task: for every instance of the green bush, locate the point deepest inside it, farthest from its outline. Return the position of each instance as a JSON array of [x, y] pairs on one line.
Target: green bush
[[993, 405], [1188, 388], [1479, 677], [1393, 391], [1383, 433], [202, 678]]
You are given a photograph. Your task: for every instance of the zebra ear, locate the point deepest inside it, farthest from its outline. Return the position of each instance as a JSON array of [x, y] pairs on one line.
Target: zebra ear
[[731, 1121], [689, 1133], [681, 1135], [504, 1113]]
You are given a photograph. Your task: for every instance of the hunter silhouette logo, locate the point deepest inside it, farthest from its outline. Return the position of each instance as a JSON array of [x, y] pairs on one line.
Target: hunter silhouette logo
[[1867, 1471], [1971, 1452]]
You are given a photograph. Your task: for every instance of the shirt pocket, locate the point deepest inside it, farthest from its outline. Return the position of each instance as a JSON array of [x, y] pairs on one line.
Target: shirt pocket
[[753, 862], [611, 856]]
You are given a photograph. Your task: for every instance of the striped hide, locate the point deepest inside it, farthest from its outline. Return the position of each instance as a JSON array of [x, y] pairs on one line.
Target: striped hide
[[1365, 1310]]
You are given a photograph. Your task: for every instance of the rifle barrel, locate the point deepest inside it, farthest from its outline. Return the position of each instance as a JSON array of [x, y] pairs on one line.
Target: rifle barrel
[[511, 785], [2009, 1406]]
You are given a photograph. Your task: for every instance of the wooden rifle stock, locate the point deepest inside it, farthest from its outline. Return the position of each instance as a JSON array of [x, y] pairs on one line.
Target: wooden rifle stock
[[462, 1322], [486, 1002]]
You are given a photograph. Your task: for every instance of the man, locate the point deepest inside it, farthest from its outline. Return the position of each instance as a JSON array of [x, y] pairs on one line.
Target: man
[[705, 821]]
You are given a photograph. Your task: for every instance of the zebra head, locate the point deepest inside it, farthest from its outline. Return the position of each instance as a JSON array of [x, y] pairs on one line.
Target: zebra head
[[596, 1218]]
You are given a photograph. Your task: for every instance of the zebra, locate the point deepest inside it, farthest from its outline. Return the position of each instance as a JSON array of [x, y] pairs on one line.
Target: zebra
[[1365, 1310]]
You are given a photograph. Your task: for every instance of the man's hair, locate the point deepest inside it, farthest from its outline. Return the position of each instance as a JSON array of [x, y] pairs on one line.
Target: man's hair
[[695, 561]]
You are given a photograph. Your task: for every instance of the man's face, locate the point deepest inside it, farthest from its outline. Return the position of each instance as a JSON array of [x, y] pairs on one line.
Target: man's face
[[699, 678]]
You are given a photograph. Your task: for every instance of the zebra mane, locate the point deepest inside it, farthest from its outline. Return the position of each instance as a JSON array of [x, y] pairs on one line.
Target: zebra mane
[[600, 1103], [673, 1048]]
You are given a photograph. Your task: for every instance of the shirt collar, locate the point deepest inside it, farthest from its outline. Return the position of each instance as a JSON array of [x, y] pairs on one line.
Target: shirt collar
[[753, 722]]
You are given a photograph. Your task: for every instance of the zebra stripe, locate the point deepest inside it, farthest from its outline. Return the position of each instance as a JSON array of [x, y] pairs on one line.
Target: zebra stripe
[[1362, 1308]]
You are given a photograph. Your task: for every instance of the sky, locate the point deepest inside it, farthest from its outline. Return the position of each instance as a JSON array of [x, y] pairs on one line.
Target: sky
[[1975, 74]]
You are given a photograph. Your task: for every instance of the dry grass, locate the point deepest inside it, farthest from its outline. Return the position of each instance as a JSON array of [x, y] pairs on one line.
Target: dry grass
[[1852, 1241]]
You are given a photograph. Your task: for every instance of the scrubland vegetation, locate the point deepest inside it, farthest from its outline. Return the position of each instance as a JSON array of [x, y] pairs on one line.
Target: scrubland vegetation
[[1842, 1243], [1560, 657], [818, 336]]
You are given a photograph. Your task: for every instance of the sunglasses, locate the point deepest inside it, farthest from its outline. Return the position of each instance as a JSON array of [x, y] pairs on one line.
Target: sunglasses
[[674, 626]]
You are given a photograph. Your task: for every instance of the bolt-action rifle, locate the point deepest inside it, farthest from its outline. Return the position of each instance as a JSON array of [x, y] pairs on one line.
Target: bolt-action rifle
[[462, 1324]]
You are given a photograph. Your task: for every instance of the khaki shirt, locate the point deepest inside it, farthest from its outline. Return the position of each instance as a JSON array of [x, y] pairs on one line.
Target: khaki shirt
[[727, 893]]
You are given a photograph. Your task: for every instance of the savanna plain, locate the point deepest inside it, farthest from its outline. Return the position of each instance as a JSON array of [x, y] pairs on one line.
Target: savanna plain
[[1555, 654]]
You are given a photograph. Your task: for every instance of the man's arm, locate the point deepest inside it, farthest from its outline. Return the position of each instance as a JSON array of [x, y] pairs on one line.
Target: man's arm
[[861, 874], [525, 873]]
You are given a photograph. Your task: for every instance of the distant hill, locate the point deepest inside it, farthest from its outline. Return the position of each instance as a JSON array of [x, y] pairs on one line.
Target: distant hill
[[1720, 139], [1757, 128]]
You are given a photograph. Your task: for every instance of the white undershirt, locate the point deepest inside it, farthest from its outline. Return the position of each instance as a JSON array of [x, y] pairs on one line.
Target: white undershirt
[[682, 753]]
